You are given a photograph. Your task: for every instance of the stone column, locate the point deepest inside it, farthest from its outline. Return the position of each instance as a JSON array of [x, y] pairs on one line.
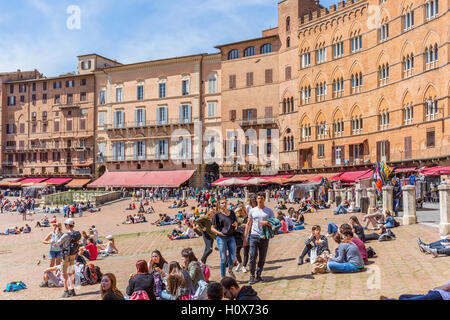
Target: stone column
[[330, 196], [184, 195], [268, 195], [388, 200], [358, 198], [246, 194], [409, 205], [343, 194], [350, 195], [444, 201], [372, 200], [312, 194]]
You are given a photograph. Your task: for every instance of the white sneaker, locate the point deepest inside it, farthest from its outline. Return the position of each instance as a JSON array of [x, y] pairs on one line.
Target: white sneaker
[[238, 268], [244, 270]]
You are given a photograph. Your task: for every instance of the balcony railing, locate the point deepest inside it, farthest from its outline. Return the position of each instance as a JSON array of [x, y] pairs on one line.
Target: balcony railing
[[257, 121], [139, 158], [149, 123]]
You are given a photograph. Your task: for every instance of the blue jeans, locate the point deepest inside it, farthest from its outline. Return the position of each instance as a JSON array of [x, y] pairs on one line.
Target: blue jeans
[[164, 295], [437, 244], [340, 210], [226, 244], [396, 205], [431, 295], [345, 267], [332, 228]]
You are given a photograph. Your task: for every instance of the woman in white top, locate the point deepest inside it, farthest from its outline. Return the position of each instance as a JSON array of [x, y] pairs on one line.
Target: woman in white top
[[52, 238], [109, 248]]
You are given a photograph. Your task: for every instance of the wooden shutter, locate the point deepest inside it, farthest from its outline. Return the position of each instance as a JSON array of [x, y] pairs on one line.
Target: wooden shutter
[[268, 112], [232, 115], [333, 156], [255, 114], [245, 114], [408, 147], [361, 150], [378, 151], [350, 150], [430, 137], [269, 76], [288, 73], [310, 158], [342, 154], [301, 158], [388, 150]]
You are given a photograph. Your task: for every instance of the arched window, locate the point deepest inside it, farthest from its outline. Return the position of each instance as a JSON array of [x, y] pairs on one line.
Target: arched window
[[250, 51], [266, 48], [288, 42], [233, 54], [288, 24]]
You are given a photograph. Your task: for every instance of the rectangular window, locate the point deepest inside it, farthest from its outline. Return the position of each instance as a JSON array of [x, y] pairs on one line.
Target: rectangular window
[[185, 114], [269, 74], [44, 86], [101, 118], [83, 96], [57, 99], [57, 85], [140, 92], [103, 97], [430, 138], [249, 79], [33, 128], [11, 89], [232, 115], [44, 127], [185, 87], [69, 99], [83, 124], [161, 115], [70, 84], [119, 94], [211, 109], [288, 72], [119, 119], [162, 90], [139, 117], [33, 99], [212, 85], [233, 81], [69, 124], [34, 87], [56, 126], [22, 128], [83, 82], [321, 150], [44, 98], [22, 99]]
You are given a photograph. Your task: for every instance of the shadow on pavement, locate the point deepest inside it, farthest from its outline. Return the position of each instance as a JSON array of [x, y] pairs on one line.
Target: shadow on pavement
[[279, 261]]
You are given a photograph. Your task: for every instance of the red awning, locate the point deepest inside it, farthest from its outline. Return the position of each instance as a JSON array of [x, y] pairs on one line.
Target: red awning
[[403, 170], [369, 174], [350, 176], [32, 180], [143, 179], [57, 181], [435, 171]]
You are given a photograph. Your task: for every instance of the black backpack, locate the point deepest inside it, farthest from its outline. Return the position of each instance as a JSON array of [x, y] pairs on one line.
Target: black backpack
[[74, 246], [370, 252], [91, 275]]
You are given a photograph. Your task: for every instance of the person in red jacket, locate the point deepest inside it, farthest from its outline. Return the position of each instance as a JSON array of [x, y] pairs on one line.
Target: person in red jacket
[[90, 251]]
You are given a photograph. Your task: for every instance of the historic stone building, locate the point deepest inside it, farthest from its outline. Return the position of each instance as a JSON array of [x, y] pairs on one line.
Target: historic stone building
[[374, 84], [153, 115]]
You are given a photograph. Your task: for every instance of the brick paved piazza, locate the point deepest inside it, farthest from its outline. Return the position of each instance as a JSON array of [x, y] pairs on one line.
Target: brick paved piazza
[[399, 268]]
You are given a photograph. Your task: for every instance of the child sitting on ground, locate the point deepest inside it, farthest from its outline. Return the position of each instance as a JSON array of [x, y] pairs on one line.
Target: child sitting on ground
[[284, 227], [188, 234]]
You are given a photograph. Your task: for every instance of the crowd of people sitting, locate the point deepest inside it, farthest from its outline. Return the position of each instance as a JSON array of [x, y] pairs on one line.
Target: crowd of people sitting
[[136, 218], [16, 230]]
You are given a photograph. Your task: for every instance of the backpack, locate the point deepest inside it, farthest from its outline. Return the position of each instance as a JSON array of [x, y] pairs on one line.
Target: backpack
[[15, 286], [370, 252], [139, 295], [74, 246], [206, 271], [158, 283], [202, 291], [91, 275]]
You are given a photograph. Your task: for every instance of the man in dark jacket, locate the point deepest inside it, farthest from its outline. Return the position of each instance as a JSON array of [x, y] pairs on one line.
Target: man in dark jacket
[[397, 195], [232, 291]]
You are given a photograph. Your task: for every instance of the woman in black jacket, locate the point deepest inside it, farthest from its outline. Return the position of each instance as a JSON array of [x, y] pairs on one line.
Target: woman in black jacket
[[142, 281]]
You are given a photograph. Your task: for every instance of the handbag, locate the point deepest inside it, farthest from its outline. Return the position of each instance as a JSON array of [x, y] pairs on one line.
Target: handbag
[[139, 295]]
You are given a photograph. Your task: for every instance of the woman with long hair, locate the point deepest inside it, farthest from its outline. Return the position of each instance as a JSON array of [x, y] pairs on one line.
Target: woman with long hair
[[141, 281], [192, 265], [55, 253], [108, 288], [357, 228], [159, 264], [223, 224], [242, 218], [179, 284], [109, 248]]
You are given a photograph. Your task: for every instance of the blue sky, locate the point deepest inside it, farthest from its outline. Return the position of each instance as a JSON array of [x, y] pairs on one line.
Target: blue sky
[[35, 34]]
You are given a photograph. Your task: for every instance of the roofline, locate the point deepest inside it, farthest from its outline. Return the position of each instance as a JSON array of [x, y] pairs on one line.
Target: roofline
[[51, 78], [95, 54], [154, 61], [239, 42]]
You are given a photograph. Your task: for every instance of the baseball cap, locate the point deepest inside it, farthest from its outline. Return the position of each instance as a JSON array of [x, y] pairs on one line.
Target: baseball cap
[[70, 222], [109, 237]]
